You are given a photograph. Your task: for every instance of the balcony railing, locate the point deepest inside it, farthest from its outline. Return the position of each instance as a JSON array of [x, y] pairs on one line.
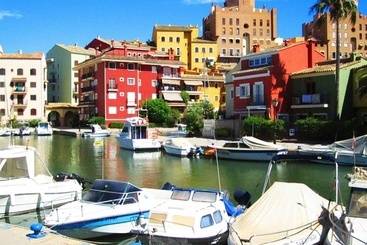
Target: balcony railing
[[88, 89], [19, 90], [112, 87], [20, 103], [310, 99], [88, 75]]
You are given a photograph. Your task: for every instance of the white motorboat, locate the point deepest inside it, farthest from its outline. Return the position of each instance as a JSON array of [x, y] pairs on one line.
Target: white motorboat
[[248, 149], [109, 207], [5, 132], [187, 216], [350, 152], [178, 147], [351, 228], [27, 185], [181, 131], [23, 130], [96, 131], [134, 136], [44, 128]]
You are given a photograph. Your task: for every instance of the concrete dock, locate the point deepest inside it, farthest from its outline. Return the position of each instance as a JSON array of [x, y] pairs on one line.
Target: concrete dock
[[12, 234]]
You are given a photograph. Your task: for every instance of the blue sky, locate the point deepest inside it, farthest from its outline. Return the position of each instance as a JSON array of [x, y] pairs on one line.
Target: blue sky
[[36, 25]]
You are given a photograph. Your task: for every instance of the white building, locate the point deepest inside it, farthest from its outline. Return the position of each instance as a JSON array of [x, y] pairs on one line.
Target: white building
[[23, 86]]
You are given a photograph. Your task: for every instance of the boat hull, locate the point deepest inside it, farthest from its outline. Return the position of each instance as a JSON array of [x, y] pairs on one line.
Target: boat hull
[[343, 158], [95, 135], [139, 144], [176, 151], [247, 155]]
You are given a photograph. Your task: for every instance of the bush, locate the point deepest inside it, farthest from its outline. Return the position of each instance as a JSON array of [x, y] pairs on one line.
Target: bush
[[264, 128], [97, 120], [34, 122], [14, 123], [193, 117], [172, 118], [223, 133], [158, 110], [116, 125], [185, 97], [312, 128]]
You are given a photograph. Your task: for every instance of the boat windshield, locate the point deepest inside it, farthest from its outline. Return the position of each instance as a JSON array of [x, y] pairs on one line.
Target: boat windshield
[[358, 203], [231, 145], [13, 168], [204, 196], [139, 132], [181, 195], [112, 192], [43, 125]]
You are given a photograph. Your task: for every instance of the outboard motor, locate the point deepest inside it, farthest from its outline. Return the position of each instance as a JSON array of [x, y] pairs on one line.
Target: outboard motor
[[63, 176], [168, 186], [242, 197]]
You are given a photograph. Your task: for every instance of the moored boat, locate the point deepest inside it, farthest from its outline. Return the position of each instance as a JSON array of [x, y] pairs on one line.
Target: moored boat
[[178, 147], [96, 132], [134, 136], [44, 128], [26, 184], [5, 132], [248, 149]]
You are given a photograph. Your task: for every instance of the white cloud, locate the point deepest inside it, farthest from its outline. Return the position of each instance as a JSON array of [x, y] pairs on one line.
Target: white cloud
[[190, 2], [11, 14]]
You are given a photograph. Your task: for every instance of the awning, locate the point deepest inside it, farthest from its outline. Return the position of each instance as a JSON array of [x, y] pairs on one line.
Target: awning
[[171, 82], [194, 83], [172, 96], [173, 104]]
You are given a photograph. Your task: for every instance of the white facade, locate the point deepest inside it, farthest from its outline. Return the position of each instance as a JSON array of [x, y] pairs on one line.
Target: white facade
[[23, 86]]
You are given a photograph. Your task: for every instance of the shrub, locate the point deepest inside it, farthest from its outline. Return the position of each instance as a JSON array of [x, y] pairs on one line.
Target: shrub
[[116, 125], [97, 120], [185, 97], [172, 118], [34, 122], [264, 128], [312, 128], [158, 110], [193, 117]]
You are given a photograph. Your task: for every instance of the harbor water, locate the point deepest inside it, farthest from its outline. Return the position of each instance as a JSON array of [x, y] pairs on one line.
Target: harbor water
[[102, 158]]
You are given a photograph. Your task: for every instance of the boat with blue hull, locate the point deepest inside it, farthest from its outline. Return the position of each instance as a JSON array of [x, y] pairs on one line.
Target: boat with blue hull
[[109, 207]]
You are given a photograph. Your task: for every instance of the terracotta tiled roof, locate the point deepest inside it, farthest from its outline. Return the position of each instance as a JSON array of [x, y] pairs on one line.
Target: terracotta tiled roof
[[76, 49], [324, 68], [174, 28], [35, 56], [122, 43]]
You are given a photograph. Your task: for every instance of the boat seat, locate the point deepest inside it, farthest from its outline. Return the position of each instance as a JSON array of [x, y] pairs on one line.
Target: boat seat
[[157, 218]]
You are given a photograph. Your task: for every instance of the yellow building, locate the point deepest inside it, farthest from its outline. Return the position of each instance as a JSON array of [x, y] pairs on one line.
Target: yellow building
[[185, 42]]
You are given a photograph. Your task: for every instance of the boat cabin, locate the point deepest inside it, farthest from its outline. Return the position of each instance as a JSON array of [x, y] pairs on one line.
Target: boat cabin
[[95, 128], [135, 128], [112, 192], [358, 195], [44, 125]]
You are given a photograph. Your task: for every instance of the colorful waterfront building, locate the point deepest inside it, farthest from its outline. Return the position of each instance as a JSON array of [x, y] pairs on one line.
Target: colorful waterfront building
[[237, 26], [184, 41], [63, 79], [23, 86], [123, 75], [314, 92], [261, 85]]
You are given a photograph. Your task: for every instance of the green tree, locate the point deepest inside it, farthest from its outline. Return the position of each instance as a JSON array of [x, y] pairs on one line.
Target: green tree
[[173, 118], [208, 109], [185, 97], [337, 10], [158, 110], [193, 117]]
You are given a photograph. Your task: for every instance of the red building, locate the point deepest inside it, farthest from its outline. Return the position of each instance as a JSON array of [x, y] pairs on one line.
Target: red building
[[261, 86], [123, 75]]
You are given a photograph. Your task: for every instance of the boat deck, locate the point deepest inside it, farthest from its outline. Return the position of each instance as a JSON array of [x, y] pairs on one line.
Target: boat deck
[[12, 234]]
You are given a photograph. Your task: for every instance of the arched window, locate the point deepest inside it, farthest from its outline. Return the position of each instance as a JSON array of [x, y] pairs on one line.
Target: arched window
[[20, 72], [33, 72], [33, 112], [2, 71]]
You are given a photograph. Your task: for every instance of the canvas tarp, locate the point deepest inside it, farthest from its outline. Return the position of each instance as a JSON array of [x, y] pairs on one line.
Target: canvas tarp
[[284, 209], [255, 143], [359, 144]]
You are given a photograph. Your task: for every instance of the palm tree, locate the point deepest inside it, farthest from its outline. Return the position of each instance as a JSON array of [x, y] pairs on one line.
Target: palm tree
[[337, 10]]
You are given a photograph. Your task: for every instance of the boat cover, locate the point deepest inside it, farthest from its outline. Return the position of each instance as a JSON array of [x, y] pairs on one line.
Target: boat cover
[[284, 209], [256, 143], [360, 145], [179, 142]]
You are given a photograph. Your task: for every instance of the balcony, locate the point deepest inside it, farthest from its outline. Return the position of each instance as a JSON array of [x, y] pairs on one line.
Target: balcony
[[20, 103], [88, 89], [112, 88], [19, 90], [89, 75], [310, 101]]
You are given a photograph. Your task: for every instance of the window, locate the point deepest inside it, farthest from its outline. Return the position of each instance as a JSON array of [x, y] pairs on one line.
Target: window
[[224, 40], [112, 110], [230, 40], [112, 65], [254, 22], [33, 112], [154, 96], [76, 62], [196, 60], [177, 39], [244, 90], [2, 112], [32, 72], [217, 217], [154, 83], [223, 21], [2, 97], [196, 50], [131, 81], [112, 84], [237, 22], [2, 84], [33, 84], [112, 96], [170, 39], [2, 71], [163, 50], [267, 23], [230, 21], [254, 32], [216, 98], [33, 97], [206, 221], [211, 49], [131, 110], [261, 32], [268, 32], [154, 69], [130, 66], [20, 112], [76, 74], [163, 39], [178, 51], [20, 72], [238, 41], [223, 31], [224, 51], [203, 50], [231, 31], [237, 31]]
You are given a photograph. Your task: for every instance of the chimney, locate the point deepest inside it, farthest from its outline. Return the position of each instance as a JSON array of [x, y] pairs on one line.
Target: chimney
[[256, 48], [112, 43]]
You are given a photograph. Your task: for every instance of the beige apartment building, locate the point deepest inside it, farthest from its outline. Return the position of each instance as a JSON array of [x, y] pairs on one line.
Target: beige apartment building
[[237, 26], [353, 38]]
